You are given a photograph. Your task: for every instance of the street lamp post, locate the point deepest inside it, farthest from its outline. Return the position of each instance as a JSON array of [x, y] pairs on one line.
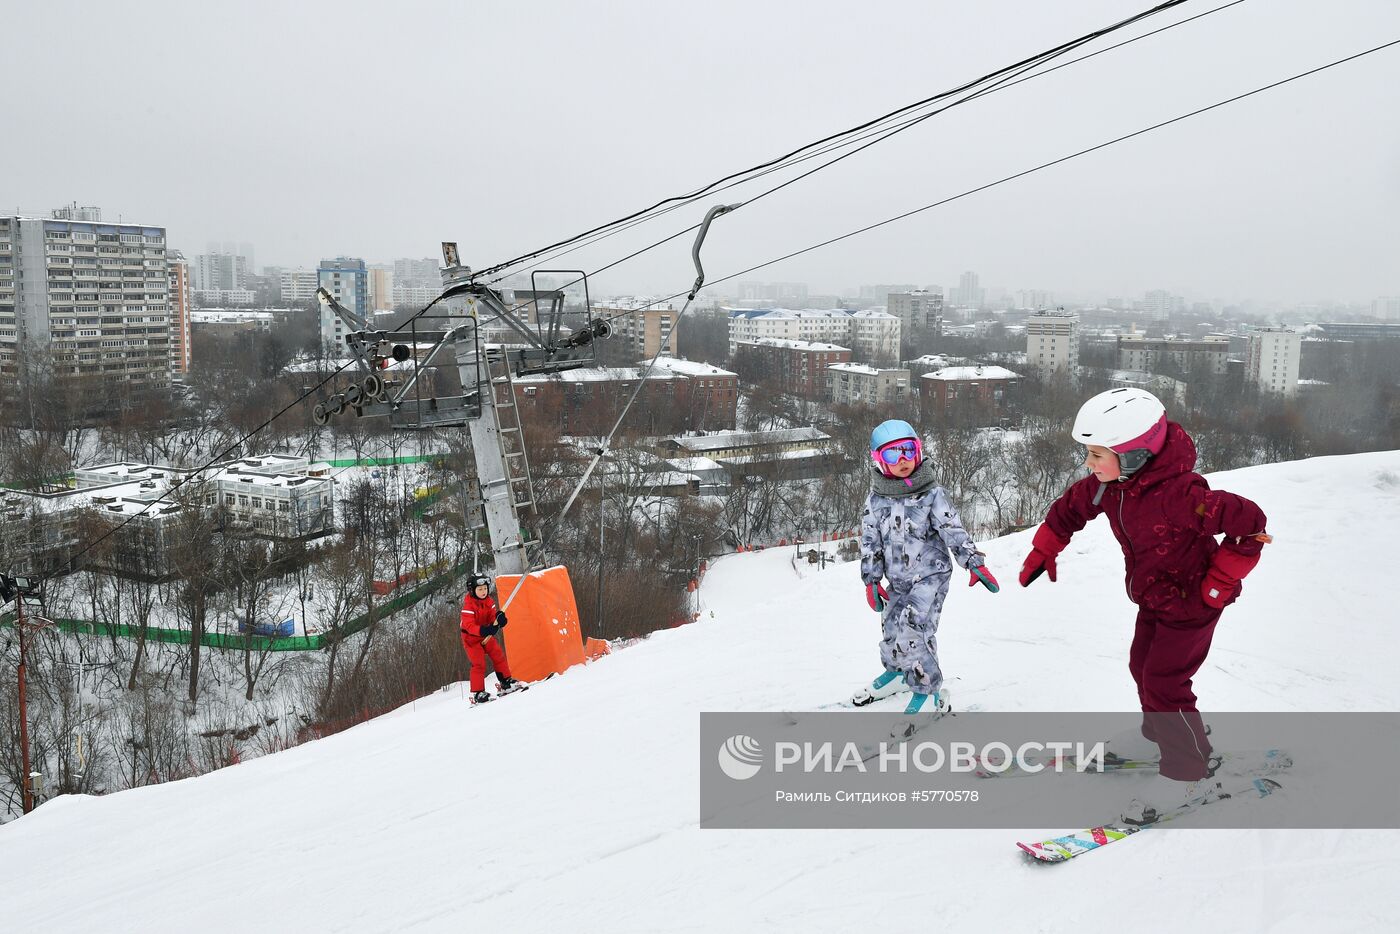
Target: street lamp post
[[19, 589]]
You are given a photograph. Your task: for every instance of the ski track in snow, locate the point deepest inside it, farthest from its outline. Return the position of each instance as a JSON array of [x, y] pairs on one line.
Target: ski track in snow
[[575, 806]]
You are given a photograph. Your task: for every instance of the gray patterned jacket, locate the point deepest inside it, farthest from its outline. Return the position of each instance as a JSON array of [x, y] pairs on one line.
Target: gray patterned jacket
[[911, 532]]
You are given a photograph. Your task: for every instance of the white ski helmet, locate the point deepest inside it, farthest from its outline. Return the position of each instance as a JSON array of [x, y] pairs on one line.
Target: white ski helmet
[[1130, 422]]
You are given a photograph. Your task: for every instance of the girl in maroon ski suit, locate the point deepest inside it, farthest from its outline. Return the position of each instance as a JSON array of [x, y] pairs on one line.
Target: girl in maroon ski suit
[[481, 620], [1166, 518]]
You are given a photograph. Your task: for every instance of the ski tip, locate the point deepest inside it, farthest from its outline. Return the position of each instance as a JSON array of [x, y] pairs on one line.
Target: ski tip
[[1041, 854]]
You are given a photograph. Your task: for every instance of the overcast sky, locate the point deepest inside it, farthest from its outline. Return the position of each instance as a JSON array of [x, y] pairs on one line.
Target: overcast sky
[[314, 129]]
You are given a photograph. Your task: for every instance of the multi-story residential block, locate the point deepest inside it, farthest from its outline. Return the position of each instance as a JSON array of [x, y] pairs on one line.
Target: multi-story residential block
[[418, 272], [1169, 390], [919, 310], [1271, 362], [299, 285], [1159, 303], [969, 290], [797, 367], [713, 397], [181, 302], [1052, 343], [218, 298], [873, 335], [980, 391], [1332, 330], [585, 401], [220, 271], [416, 295], [347, 281], [87, 298], [858, 384], [1152, 354], [381, 288], [643, 326]]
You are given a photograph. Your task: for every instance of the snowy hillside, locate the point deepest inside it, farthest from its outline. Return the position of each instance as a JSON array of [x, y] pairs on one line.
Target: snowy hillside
[[574, 806]]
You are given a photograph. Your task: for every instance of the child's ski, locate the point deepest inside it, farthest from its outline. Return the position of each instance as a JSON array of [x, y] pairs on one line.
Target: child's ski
[[1059, 849], [1239, 762]]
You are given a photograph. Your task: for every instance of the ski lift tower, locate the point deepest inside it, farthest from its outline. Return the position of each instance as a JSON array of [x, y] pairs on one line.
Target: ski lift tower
[[440, 373]]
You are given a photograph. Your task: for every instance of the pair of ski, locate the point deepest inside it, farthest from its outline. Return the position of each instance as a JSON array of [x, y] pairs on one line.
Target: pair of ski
[[515, 688], [1235, 776], [1060, 849]]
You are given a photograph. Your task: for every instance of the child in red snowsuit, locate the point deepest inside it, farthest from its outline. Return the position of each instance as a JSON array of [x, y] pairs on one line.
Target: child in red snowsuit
[[481, 620], [1166, 518]]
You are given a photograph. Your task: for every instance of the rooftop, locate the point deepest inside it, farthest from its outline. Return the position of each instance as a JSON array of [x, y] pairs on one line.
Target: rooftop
[[690, 367], [722, 440], [792, 345], [972, 372]]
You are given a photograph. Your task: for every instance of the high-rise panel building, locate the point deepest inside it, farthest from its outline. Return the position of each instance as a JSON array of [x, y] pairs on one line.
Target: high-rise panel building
[[917, 310], [643, 326], [381, 287], [181, 301], [84, 297], [219, 271], [299, 285], [423, 273], [969, 290], [347, 280], [1052, 342], [1271, 361]]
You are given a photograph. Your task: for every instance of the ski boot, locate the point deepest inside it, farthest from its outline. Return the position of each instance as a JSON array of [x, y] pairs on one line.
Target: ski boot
[[1163, 795], [506, 685], [481, 697], [938, 703], [889, 683]]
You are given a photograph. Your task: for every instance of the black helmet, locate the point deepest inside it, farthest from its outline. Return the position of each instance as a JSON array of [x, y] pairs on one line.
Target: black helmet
[[477, 581]]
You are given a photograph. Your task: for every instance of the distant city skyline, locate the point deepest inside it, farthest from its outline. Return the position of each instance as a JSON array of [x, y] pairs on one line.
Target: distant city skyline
[[1288, 195]]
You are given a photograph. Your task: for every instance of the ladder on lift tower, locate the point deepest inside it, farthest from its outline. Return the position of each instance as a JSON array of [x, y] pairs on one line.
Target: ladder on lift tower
[[506, 414]]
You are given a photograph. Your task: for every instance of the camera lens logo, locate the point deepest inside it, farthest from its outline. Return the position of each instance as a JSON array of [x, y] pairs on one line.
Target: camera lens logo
[[741, 757]]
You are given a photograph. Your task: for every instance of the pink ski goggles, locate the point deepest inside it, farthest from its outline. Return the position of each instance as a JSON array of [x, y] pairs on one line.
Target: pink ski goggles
[[910, 449]]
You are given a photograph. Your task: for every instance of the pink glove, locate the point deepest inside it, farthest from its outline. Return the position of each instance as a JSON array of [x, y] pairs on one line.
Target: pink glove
[[983, 576], [876, 596]]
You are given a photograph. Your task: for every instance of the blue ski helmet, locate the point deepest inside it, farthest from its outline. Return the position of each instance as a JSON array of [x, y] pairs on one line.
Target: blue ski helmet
[[892, 430]]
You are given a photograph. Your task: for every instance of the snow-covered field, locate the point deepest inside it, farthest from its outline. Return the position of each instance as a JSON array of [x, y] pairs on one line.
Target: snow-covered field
[[574, 807]]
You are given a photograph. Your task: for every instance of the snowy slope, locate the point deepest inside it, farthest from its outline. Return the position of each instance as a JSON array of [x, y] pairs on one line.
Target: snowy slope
[[574, 806]]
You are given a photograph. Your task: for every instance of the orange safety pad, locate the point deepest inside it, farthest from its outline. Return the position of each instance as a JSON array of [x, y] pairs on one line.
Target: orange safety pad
[[596, 648], [543, 636]]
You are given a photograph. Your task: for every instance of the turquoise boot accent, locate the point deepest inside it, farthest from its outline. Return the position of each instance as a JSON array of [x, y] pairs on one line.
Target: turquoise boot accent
[[885, 679], [917, 702]]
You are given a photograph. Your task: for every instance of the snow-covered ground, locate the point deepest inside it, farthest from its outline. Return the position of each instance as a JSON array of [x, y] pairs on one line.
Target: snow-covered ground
[[574, 806]]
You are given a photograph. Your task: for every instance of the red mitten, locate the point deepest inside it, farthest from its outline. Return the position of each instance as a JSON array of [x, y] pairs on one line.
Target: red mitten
[[876, 596], [1223, 577], [1044, 547]]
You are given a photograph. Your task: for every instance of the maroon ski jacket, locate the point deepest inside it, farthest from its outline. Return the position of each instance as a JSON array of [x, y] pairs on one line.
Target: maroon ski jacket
[[1166, 518]]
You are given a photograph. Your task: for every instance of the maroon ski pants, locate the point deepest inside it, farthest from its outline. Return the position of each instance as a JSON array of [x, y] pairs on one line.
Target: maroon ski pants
[[1165, 655], [477, 650]]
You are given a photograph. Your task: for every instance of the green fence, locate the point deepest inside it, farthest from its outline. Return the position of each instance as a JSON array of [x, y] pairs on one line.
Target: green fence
[[385, 461], [221, 640]]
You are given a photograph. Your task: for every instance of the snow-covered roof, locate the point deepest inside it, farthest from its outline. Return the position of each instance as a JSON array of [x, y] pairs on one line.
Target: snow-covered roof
[[860, 368], [722, 440], [690, 367], [596, 375], [693, 464], [793, 345], [790, 313], [972, 372]]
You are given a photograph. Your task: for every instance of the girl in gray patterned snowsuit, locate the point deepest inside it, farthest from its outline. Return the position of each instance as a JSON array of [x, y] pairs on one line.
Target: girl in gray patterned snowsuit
[[910, 534]]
